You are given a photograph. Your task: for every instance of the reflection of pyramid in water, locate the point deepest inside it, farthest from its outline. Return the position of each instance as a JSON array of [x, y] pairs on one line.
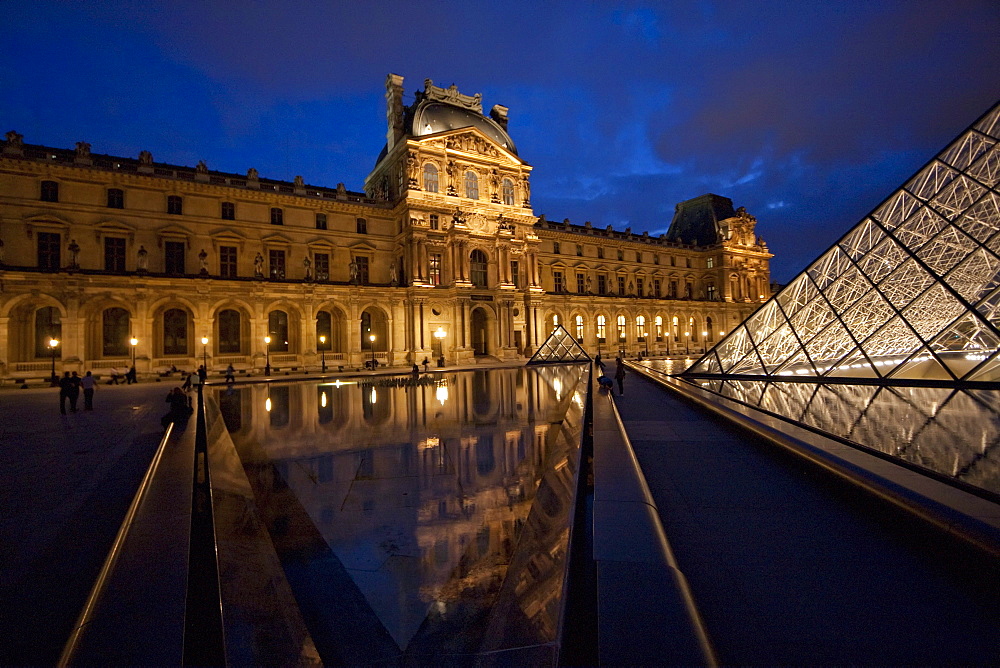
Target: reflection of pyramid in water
[[559, 347], [912, 292]]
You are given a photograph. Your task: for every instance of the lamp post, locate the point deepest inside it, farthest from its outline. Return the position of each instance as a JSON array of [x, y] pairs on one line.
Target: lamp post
[[645, 339], [267, 355], [204, 353], [439, 335], [621, 346], [371, 338], [53, 344], [687, 343], [322, 352], [704, 340]]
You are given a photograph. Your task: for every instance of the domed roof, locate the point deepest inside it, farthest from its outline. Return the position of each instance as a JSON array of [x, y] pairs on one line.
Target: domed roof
[[432, 117]]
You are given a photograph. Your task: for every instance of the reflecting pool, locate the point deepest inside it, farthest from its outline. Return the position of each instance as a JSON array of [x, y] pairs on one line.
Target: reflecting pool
[[418, 519], [954, 433]]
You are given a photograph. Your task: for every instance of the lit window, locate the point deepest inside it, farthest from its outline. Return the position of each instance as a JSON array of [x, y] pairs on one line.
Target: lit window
[[276, 264], [621, 328], [658, 323], [434, 268], [710, 263], [640, 328], [430, 178], [601, 329], [508, 192], [471, 185], [579, 328]]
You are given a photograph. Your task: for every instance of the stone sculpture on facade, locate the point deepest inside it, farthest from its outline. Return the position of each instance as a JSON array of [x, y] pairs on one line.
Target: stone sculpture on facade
[[258, 266]]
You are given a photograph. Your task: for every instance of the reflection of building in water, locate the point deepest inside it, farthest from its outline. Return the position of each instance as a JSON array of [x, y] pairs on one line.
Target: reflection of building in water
[[423, 496], [441, 255]]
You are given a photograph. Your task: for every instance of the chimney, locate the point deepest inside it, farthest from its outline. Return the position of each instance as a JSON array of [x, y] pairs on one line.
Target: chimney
[[499, 114], [393, 109]]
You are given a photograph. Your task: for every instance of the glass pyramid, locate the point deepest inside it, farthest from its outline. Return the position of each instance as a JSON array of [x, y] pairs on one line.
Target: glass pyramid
[[559, 347], [910, 293]]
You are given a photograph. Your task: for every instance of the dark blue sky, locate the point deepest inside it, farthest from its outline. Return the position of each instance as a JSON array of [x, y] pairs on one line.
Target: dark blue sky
[[807, 113]]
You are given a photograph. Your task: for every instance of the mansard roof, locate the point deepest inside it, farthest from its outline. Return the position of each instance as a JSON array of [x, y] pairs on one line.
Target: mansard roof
[[697, 220]]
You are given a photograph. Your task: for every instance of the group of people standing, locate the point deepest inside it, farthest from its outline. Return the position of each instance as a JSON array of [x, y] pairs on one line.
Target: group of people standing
[[607, 383], [69, 391]]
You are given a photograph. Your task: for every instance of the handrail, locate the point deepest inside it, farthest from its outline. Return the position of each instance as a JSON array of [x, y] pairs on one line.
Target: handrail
[[86, 614]]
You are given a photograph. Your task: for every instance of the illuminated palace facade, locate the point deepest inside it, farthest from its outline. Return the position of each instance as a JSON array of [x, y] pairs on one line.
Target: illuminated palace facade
[[107, 259]]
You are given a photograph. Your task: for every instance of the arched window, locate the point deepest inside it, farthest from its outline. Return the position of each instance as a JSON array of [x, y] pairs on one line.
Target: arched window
[[115, 327], [48, 325], [277, 329], [324, 327], [677, 329], [640, 327], [471, 185], [708, 328], [229, 331], [508, 192], [602, 332], [555, 320], [658, 323], [431, 177], [175, 326], [621, 329], [477, 268], [579, 328], [692, 329]]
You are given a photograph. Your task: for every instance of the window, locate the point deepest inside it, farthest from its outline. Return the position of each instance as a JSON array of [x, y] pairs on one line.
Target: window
[[321, 263], [677, 331], [639, 286], [228, 211], [656, 259], [673, 261], [477, 268], [173, 257], [621, 285], [621, 329], [602, 284], [602, 332], [557, 281], [175, 205], [621, 255], [555, 247], [687, 290], [656, 287], [581, 283], [362, 226], [515, 273], [691, 328], [229, 331], [640, 328], [116, 198], [324, 327], [115, 332], [227, 261], [48, 250], [508, 192], [276, 264], [114, 254], [277, 329], [277, 216], [710, 292], [579, 328], [48, 325], [175, 322], [658, 323], [471, 185], [50, 191], [579, 250], [710, 263], [320, 221], [638, 256], [434, 268], [687, 262], [673, 290], [600, 252], [430, 178], [362, 263]]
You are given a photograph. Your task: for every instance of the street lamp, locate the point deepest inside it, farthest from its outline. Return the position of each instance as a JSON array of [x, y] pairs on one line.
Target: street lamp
[[439, 335], [53, 344], [267, 355], [687, 343], [704, 340], [204, 353], [371, 337], [322, 352], [645, 339], [134, 341]]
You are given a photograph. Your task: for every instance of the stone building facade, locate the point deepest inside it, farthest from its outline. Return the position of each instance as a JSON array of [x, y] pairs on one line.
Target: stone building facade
[[105, 260]]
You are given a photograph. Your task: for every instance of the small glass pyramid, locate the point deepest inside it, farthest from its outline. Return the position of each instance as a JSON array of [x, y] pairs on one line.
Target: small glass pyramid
[[910, 293], [559, 347]]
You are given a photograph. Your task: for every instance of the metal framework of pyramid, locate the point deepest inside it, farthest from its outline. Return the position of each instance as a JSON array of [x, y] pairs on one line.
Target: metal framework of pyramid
[[559, 347], [912, 293]]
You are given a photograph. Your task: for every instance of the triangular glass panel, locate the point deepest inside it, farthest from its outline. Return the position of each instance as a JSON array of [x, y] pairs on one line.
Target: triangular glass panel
[[560, 346], [988, 370], [894, 298]]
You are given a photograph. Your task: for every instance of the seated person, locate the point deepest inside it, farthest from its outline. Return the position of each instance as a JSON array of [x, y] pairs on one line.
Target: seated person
[[605, 383]]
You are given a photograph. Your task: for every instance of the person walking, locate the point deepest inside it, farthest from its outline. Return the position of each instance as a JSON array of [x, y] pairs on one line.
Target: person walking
[[65, 385], [620, 375], [114, 376], [74, 392], [202, 374], [130, 376], [89, 384], [230, 374]]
